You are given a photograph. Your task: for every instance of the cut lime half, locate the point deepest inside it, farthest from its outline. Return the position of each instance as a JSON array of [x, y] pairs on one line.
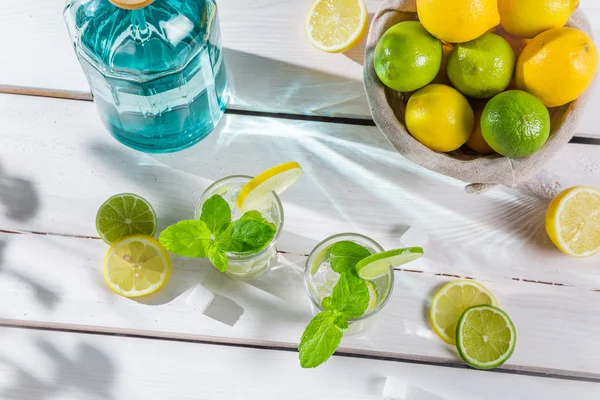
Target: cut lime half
[[485, 337], [379, 264], [125, 214]]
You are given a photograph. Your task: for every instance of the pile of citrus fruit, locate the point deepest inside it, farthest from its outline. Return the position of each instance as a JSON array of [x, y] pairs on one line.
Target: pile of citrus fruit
[[483, 73]]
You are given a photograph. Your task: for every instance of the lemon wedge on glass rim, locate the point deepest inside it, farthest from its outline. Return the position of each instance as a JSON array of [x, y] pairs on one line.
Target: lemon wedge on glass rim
[[276, 179], [335, 26], [136, 265]]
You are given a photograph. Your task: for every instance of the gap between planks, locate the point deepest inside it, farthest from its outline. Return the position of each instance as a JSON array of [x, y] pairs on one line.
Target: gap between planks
[[404, 270], [291, 347], [86, 96]]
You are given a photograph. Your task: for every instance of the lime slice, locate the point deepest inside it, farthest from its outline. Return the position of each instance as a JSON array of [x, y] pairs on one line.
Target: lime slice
[[136, 266], [379, 264], [125, 214], [485, 337], [451, 301], [276, 179]]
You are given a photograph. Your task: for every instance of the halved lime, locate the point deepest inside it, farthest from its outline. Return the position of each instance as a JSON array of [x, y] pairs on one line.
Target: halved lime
[[379, 264], [485, 337], [125, 214]]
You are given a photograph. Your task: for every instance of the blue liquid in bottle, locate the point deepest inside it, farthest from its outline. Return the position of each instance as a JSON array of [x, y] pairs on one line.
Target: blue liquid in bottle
[[156, 72]]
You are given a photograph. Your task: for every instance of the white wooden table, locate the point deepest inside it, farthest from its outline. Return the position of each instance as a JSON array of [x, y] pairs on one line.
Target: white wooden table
[[64, 335]]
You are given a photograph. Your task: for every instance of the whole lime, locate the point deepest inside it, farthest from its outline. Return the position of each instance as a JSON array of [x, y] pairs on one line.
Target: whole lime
[[482, 67], [515, 124], [407, 57]]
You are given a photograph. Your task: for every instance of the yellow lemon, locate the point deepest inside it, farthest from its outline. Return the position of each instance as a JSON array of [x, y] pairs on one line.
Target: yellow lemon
[[457, 21], [336, 25], [557, 66], [529, 18], [573, 221], [440, 117]]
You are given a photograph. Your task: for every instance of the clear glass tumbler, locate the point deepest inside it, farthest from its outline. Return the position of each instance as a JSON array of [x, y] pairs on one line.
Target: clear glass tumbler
[[320, 279], [246, 266]]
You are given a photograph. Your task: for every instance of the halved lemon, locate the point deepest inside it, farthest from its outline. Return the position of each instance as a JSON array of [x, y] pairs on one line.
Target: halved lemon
[[336, 25], [136, 265], [451, 301], [276, 179], [573, 221]]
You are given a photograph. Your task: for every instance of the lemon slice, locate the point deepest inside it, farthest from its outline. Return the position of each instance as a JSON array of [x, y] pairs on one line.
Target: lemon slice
[[277, 179], [451, 301], [372, 297], [336, 25], [573, 221], [136, 265]]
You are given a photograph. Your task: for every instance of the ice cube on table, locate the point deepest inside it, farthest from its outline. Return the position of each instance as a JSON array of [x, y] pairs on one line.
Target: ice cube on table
[[415, 236], [199, 297]]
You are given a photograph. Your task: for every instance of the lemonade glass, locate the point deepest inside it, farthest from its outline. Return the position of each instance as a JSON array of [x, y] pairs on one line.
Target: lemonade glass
[[320, 279], [246, 265]]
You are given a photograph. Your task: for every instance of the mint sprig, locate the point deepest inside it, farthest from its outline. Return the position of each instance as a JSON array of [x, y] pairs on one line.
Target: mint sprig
[[349, 299], [214, 234]]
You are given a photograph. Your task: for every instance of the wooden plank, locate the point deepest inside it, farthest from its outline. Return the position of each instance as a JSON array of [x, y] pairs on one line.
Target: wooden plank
[[271, 65], [354, 181], [43, 365]]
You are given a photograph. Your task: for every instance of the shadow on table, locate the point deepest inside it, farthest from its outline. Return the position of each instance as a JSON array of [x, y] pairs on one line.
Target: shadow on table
[[89, 372], [278, 86]]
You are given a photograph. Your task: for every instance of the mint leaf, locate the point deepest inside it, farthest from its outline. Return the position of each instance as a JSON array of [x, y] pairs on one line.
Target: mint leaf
[[350, 296], [217, 257], [216, 213], [345, 255], [341, 322], [226, 243], [320, 340], [187, 238], [254, 215], [251, 234]]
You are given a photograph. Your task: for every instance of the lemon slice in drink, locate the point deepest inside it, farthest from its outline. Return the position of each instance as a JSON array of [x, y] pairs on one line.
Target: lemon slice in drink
[[379, 264], [451, 301], [336, 25], [125, 214], [277, 179], [573, 221], [136, 265], [485, 337]]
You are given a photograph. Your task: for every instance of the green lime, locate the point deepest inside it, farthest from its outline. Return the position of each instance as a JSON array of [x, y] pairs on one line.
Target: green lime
[[482, 67], [123, 215], [379, 264], [485, 337], [407, 57], [515, 124]]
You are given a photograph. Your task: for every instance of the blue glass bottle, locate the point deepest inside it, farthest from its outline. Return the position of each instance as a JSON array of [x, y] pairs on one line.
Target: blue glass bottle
[[155, 68]]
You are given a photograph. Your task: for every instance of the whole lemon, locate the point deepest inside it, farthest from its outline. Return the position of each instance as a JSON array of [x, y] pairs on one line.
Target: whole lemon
[[529, 18], [457, 21], [439, 117], [407, 57], [515, 124], [557, 66], [482, 67]]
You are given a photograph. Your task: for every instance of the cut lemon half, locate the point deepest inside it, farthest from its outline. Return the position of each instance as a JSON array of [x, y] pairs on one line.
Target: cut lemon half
[[485, 337], [379, 264], [573, 221], [136, 265], [451, 301], [336, 25], [277, 179]]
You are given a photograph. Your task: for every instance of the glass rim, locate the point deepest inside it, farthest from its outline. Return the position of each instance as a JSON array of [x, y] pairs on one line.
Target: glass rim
[[279, 206], [332, 239]]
